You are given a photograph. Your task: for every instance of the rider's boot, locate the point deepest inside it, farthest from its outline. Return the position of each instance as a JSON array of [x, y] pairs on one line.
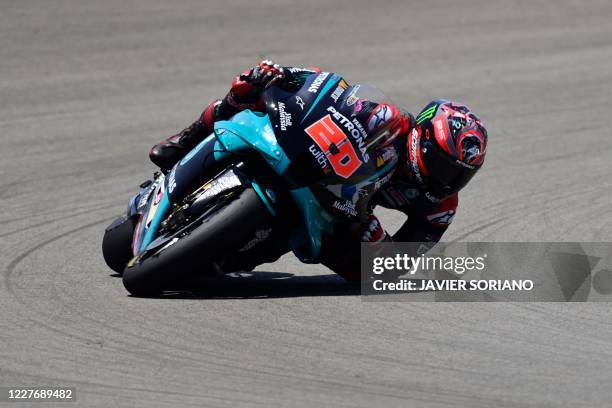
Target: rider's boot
[[168, 152]]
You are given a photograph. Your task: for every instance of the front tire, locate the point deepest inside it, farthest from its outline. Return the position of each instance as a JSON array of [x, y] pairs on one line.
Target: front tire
[[220, 233], [117, 243]]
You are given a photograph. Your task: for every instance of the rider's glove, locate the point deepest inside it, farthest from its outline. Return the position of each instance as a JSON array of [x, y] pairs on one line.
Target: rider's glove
[[372, 231], [264, 75], [247, 88]]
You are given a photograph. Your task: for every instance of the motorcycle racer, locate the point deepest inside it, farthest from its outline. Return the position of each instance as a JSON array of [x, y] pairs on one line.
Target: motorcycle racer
[[438, 152]]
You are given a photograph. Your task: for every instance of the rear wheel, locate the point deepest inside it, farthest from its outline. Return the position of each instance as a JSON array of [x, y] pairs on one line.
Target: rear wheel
[[221, 232], [117, 243]]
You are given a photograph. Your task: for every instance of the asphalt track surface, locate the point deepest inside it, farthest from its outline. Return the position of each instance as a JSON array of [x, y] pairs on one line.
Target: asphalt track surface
[[87, 87]]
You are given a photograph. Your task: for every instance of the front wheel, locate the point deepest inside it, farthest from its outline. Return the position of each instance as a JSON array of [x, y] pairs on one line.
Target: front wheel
[[224, 230]]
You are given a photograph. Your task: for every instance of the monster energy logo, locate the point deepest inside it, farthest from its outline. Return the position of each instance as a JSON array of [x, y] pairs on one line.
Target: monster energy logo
[[426, 114]]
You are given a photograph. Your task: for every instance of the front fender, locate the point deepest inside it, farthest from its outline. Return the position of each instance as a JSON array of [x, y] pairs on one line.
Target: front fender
[[249, 131]]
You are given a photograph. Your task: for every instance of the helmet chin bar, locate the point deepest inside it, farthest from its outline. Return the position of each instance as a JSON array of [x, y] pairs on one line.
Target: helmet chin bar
[[446, 175]]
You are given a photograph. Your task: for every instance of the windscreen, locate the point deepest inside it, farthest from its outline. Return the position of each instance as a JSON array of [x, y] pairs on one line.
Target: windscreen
[[376, 110]]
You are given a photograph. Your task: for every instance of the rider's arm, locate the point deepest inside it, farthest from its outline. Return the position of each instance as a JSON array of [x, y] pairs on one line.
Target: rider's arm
[[245, 93], [247, 89], [428, 226]]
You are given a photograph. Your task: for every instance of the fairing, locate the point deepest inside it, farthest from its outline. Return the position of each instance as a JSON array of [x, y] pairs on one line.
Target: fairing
[[281, 137]]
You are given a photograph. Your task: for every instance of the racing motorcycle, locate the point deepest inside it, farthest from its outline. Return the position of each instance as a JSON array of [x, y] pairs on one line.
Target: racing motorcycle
[[307, 165]]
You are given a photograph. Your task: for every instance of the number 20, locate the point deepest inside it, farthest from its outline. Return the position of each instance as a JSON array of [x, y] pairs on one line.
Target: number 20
[[326, 134]]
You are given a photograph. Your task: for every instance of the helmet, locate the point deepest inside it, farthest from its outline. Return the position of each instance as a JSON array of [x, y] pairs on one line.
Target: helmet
[[446, 147]]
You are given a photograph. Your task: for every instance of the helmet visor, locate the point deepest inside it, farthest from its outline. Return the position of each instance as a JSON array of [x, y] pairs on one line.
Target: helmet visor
[[447, 174]]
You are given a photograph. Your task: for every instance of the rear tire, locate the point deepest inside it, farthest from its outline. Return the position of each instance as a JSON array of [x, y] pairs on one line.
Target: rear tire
[[224, 230], [117, 243]]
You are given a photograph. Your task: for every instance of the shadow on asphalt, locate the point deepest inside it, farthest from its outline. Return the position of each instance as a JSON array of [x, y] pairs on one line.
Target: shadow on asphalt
[[265, 285]]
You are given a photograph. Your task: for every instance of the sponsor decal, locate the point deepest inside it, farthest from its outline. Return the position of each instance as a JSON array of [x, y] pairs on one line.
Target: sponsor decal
[[464, 164], [352, 98], [380, 182], [443, 218], [385, 156], [337, 93], [316, 84], [269, 133], [171, 182], [144, 198], [413, 155], [346, 207], [427, 114], [260, 236], [356, 132], [153, 208], [439, 129], [226, 182], [456, 123], [284, 117], [358, 107], [338, 149], [300, 102], [359, 126], [431, 198], [381, 114], [320, 157], [298, 70]]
